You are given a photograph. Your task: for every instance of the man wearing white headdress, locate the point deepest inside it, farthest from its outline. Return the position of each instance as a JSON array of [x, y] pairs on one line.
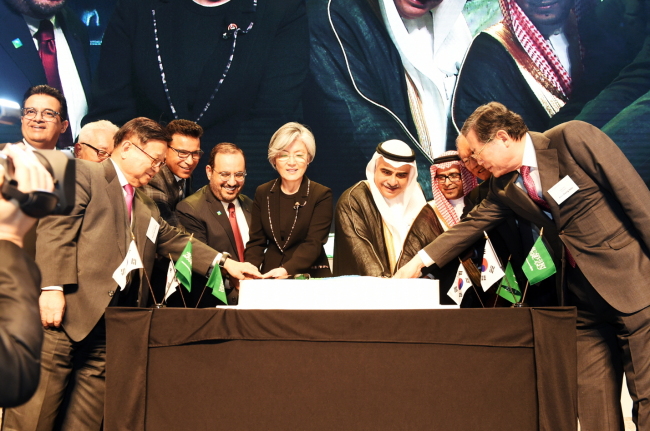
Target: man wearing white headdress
[[386, 69], [376, 219]]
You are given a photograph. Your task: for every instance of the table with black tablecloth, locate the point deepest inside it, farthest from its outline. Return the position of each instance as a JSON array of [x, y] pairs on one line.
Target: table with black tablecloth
[[470, 369]]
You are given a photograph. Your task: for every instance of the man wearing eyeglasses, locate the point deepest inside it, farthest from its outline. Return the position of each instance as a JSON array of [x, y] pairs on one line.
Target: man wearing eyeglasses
[[44, 117], [78, 255], [576, 183], [95, 142], [173, 183], [218, 215]]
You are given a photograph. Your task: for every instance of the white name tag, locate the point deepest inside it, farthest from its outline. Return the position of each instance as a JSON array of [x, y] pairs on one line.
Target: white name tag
[[152, 230], [563, 189], [131, 261]]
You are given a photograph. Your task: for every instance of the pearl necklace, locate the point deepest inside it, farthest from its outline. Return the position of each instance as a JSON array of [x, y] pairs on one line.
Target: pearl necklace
[[296, 207]]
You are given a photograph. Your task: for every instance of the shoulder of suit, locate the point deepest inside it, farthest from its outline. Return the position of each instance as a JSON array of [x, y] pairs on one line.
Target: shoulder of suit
[[264, 188], [357, 194]]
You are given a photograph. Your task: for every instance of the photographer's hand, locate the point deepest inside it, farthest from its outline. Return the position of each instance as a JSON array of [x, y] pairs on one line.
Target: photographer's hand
[[30, 175], [52, 307]]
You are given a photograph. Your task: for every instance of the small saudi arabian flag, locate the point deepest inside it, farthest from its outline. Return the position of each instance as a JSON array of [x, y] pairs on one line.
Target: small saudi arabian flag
[[215, 282], [539, 263], [509, 288], [184, 267]]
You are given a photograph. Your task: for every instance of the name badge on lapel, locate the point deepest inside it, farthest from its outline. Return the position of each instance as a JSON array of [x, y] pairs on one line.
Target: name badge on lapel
[[152, 230], [563, 189]]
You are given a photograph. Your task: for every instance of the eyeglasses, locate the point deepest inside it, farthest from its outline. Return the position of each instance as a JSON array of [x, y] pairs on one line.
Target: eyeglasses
[[239, 176], [453, 177], [155, 163], [183, 154], [478, 155], [101, 154], [46, 114], [298, 158]]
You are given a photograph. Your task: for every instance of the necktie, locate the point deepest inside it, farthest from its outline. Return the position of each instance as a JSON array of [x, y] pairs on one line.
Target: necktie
[[47, 52], [181, 186], [532, 192], [128, 188], [235, 230], [530, 188]]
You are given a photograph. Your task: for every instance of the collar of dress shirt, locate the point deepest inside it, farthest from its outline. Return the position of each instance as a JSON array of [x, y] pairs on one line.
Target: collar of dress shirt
[[236, 202], [529, 158], [120, 175]]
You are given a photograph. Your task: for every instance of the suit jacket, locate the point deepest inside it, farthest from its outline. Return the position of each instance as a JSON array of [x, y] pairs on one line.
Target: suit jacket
[[81, 251], [304, 252], [164, 191], [21, 333], [605, 224], [203, 215], [260, 93], [22, 68]]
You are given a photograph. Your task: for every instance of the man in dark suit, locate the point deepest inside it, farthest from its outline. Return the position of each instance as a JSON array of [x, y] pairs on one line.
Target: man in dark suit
[[172, 184], [20, 329], [208, 214], [574, 182], [79, 255], [22, 67]]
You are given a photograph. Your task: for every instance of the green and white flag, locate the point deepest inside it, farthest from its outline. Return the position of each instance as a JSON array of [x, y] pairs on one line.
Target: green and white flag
[[539, 263], [215, 282], [509, 288], [184, 267]]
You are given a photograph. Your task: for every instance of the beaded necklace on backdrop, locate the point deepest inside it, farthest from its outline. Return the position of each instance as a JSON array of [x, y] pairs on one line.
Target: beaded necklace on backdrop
[[232, 31], [296, 207]]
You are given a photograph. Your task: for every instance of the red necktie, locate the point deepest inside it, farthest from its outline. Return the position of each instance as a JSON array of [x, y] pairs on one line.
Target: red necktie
[[530, 188], [232, 217], [128, 188], [532, 192], [47, 52]]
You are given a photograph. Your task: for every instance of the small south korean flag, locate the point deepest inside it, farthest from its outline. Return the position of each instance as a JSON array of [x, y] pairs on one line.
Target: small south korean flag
[[460, 286]]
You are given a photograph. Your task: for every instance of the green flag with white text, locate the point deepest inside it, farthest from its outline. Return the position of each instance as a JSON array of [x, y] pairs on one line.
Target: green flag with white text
[[509, 288], [184, 267], [215, 282], [539, 263]]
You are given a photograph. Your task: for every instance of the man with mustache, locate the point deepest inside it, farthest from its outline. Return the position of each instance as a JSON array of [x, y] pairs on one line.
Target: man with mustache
[[383, 221], [219, 216]]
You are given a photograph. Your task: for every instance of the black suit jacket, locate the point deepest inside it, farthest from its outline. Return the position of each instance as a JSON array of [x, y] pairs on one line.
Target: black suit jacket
[[81, 251], [21, 68], [21, 333], [304, 252], [203, 215], [605, 224]]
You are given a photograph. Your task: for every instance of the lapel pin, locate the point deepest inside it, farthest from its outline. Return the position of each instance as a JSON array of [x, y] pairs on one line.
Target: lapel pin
[[218, 212], [17, 43]]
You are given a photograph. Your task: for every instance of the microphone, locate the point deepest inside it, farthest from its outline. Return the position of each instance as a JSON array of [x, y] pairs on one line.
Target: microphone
[[298, 205]]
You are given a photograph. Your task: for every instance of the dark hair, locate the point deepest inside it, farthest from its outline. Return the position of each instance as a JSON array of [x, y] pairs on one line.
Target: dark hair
[[225, 148], [487, 119], [144, 129], [49, 91], [185, 128]]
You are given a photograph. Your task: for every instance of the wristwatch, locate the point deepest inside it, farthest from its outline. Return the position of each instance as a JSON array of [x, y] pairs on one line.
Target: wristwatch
[[224, 256]]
